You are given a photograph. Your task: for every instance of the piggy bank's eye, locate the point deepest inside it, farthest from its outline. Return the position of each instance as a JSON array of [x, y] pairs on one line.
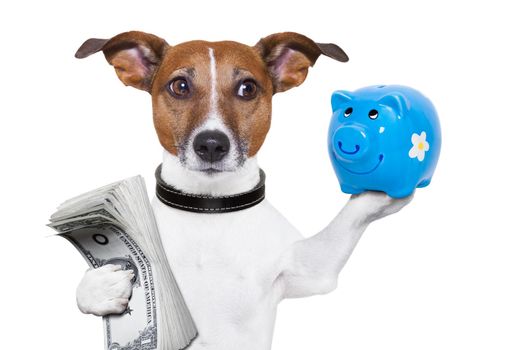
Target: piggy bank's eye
[[373, 114], [348, 111]]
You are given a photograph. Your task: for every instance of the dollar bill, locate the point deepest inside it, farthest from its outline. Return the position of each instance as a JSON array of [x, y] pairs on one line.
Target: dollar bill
[[115, 225]]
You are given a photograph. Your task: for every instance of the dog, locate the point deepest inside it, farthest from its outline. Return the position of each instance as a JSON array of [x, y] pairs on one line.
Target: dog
[[211, 111]]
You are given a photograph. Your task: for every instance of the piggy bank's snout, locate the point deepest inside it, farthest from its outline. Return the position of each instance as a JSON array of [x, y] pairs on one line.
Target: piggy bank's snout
[[350, 143]]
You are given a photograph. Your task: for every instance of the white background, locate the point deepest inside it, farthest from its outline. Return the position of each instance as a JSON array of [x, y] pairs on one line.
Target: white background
[[445, 273]]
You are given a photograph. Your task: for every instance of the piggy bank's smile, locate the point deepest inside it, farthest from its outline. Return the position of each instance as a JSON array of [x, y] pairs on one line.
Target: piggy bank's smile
[[340, 144], [380, 160]]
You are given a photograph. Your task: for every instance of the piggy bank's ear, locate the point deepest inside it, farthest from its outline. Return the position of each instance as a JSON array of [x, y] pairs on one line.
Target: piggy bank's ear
[[339, 98], [397, 101]]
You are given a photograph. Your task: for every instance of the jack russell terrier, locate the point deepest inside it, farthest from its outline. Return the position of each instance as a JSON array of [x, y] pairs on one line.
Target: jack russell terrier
[[234, 256]]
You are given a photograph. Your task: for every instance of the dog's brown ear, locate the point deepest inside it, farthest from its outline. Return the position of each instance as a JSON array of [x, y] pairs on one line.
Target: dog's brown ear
[[289, 55], [134, 55]]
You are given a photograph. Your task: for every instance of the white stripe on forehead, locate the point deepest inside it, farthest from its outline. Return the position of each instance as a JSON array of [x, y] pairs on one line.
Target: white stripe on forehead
[[213, 94], [213, 120]]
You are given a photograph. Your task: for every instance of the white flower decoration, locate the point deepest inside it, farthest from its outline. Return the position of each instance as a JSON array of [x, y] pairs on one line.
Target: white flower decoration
[[420, 146]]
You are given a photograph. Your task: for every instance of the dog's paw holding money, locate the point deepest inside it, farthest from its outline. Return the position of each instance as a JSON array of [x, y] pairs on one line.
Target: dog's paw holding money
[[105, 290]]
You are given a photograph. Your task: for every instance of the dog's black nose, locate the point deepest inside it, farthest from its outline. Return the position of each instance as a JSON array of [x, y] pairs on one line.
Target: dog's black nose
[[211, 145]]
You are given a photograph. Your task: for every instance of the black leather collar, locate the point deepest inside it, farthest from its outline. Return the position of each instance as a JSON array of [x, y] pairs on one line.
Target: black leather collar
[[208, 204]]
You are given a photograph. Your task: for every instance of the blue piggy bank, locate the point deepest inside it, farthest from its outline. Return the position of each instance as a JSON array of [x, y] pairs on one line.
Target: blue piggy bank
[[383, 138]]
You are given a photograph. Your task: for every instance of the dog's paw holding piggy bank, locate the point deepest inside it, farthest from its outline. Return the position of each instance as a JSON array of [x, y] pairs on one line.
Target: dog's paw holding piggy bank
[[383, 138]]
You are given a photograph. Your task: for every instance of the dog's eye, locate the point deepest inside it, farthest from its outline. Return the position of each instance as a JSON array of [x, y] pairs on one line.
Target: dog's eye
[[348, 111], [179, 87], [373, 114], [247, 90]]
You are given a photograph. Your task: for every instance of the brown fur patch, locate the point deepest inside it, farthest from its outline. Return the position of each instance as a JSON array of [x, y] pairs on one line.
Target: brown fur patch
[[249, 119], [175, 119], [276, 63]]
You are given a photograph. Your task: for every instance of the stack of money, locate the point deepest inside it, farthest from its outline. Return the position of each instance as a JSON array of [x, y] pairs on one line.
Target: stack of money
[[115, 225]]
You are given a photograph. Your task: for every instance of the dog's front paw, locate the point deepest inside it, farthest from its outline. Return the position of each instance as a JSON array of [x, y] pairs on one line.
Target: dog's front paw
[[374, 205], [105, 290]]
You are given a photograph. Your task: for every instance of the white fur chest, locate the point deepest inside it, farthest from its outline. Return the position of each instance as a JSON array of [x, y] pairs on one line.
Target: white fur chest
[[225, 265]]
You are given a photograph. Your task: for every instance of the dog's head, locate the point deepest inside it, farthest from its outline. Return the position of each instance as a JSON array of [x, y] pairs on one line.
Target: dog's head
[[211, 100]]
